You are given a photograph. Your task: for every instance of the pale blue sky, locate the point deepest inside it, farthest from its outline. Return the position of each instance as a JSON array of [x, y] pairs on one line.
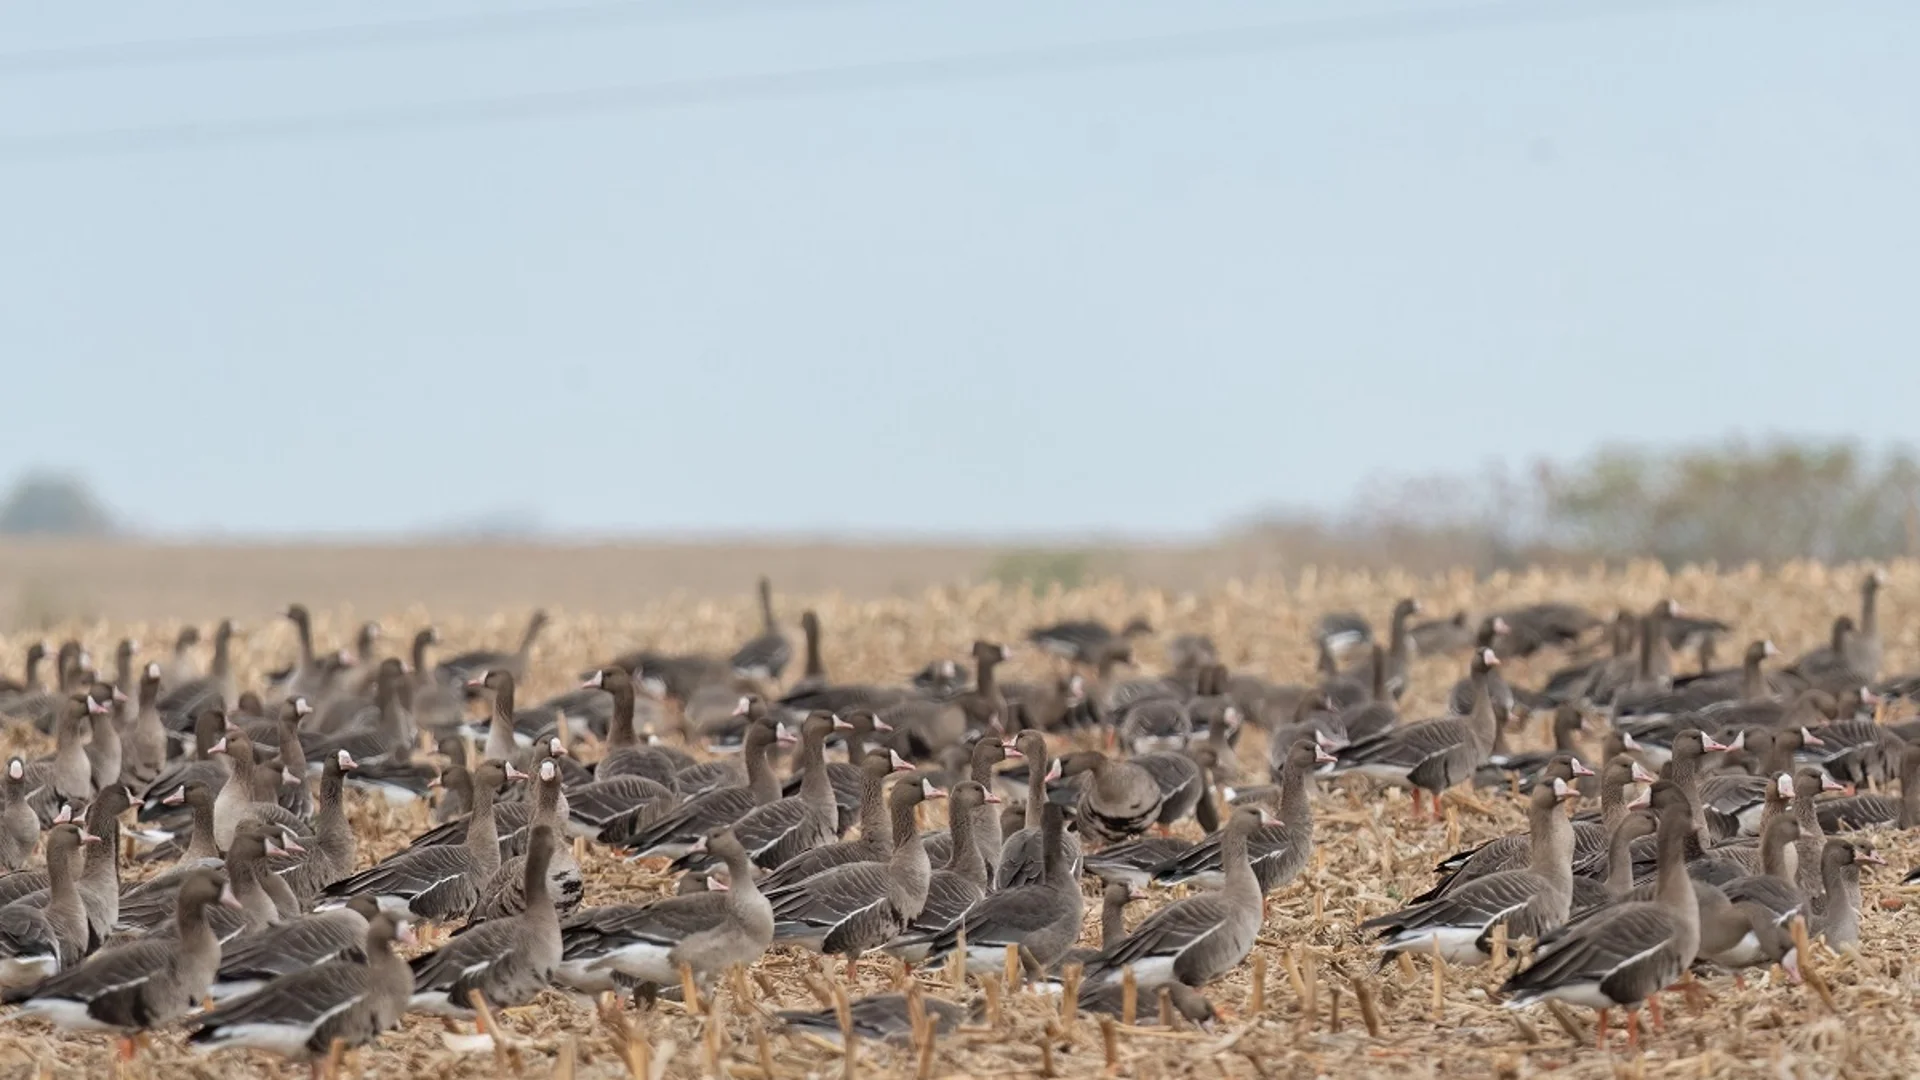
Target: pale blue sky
[[1141, 297]]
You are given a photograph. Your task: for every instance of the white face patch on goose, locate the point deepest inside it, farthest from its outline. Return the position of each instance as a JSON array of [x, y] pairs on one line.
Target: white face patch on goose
[[547, 770]]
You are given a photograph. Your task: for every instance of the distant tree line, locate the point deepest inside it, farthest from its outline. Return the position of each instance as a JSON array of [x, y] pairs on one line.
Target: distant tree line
[[1729, 503], [49, 504]]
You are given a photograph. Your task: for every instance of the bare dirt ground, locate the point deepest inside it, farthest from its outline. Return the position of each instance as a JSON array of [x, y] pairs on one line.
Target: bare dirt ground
[[1304, 1020]]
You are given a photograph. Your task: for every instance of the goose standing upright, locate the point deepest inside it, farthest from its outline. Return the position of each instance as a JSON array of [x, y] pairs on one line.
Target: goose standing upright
[[784, 828], [506, 960], [1432, 755], [19, 825], [765, 657], [1041, 919], [439, 882]]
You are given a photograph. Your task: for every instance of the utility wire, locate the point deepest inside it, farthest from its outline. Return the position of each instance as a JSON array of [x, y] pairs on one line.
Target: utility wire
[[815, 82]]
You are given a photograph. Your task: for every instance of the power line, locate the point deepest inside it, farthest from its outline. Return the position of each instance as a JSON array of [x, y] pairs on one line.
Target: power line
[[815, 82], [434, 30]]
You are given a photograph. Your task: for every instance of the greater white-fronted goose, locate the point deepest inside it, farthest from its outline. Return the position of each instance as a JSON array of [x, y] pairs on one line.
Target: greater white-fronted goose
[[103, 750], [66, 914], [1837, 908], [31, 683], [508, 960], [1551, 624], [1114, 899], [1437, 637], [145, 744], [1719, 690], [1386, 669], [67, 776], [1042, 919], [957, 886], [208, 726], [180, 702], [784, 828], [149, 906], [855, 907], [764, 657], [1459, 923], [1341, 632], [1626, 953], [708, 931], [1866, 811], [1182, 782], [19, 825], [455, 800], [1774, 886], [41, 706], [29, 946], [1499, 693], [254, 959], [501, 895], [1432, 755], [1276, 850], [626, 755], [675, 834], [1022, 855], [1084, 640], [457, 671], [241, 798], [302, 1015], [844, 776], [886, 1018], [1135, 862], [1185, 1001], [1119, 799], [512, 819], [986, 756], [142, 984], [438, 883], [1808, 784], [1198, 939], [1525, 767], [333, 850], [876, 840], [99, 879], [1153, 725]]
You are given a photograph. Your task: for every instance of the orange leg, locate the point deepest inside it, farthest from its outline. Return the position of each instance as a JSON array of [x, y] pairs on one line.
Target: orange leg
[[123, 1048], [852, 969], [1416, 804], [1653, 1007], [1600, 1040], [1633, 1029]]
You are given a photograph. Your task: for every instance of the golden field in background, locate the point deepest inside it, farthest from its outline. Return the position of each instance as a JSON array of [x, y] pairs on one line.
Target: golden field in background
[[1308, 1022]]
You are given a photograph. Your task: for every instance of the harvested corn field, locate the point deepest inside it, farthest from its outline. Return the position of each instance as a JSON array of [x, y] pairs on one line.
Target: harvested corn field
[[1304, 999]]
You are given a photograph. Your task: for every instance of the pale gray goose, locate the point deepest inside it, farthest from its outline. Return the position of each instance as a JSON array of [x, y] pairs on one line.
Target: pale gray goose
[[987, 753], [1278, 850], [708, 931], [850, 909], [438, 883], [251, 960], [141, 985], [1459, 924], [1200, 938], [503, 893], [1627, 953], [675, 834], [508, 960], [879, 1018], [784, 828], [300, 1016], [19, 825], [1432, 755], [876, 840], [1119, 799], [1042, 919], [957, 886], [459, 670], [764, 657], [241, 798]]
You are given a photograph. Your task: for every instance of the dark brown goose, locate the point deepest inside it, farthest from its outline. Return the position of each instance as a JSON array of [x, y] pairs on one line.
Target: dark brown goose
[[301, 1015], [987, 754], [1042, 919], [1119, 799], [957, 886], [676, 834], [1432, 755], [784, 828], [438, 883], [458, 671], [252, 960], [1277, 850], [507, 960]]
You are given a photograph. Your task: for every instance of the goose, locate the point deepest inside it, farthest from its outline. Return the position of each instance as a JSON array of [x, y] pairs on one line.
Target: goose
[[1546, 625], [67, 775], [1459, 924], [1154, 724], [105, 756], [876, 841], [1869, 810], [455, 802], [460, 670], [253, 959], [303, 1014], [1277, 851], [31, 684], [882, 1018], [151, 905], [1720, 690], [438, 883], [1437, 637], [1837, 909], [507, 960], [19, 825], [1135, 862], [1386, 669], [511, 819], [987, 754], [844, 776], [676, 834], [1202, 937], [1022, 855], [1175, 999], [65, 913], [1119, 799], [1808, 784], [1432, 755], [855, 907], [209, 724], [957, 886], [143, 984], [98, 882], [708, 932], [764, 657], [182, 701], [1628, 952], [41, 706], [1182, 783], [1774, 887], [145, 744], [784, 828], [1499, 693], [1041, 919], [1341, 632], [502, 893], [1085, 640], [29, 946], [333, 850], [626, 755], [241, 798], [1740, 797], [1114, 898], [1524, 768]]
